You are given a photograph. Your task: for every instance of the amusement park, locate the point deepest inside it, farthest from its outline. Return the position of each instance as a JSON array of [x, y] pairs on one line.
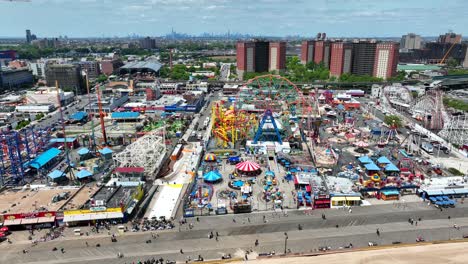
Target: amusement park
[[272, 146]]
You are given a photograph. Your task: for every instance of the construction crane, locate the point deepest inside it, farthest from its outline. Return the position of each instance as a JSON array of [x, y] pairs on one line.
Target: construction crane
[[101, 115], [93, 148], [447, 54]]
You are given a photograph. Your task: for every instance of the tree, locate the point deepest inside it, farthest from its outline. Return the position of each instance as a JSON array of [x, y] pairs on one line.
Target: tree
[[39, 116], [393, 120], [101, 78], [414, 94], [452, 63]]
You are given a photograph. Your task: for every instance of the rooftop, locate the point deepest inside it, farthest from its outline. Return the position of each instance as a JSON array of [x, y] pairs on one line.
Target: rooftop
[[149, 64], [34, 199]]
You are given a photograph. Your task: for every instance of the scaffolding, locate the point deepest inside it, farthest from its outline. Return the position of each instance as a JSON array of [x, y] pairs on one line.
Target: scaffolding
[[147, 152], [18, 149]]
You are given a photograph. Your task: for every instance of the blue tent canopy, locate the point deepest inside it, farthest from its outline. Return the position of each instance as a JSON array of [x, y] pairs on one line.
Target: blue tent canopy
[[340, 107], [269, 173], [83, 174], [44, 158], [234, 159], [78, 116], [383, 160], [372, 167], [125, 115], [56, 174], [212, 176], [365, 159], [83, 151], [390, 167], [390, 192], [106, 151]]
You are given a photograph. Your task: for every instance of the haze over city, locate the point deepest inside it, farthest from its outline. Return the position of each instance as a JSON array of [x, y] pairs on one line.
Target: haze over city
[[342, 18]]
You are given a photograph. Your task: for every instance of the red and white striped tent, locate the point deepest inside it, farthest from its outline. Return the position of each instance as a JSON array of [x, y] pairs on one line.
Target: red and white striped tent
[[247, 166]]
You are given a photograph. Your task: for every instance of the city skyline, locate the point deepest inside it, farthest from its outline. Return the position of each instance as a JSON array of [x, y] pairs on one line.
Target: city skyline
[[339, 18]]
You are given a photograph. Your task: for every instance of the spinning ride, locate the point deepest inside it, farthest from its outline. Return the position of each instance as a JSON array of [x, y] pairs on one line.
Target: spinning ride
[[280, 104]]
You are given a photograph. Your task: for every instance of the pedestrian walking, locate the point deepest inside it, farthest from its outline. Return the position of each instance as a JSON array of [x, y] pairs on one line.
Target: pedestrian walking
[[86, 244], [217, 233], [181, 251], [198, 219], [246, 257], [378, 232], [256, 242]]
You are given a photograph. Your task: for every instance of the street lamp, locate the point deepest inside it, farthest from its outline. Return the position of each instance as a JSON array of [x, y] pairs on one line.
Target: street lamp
[[285, 242]]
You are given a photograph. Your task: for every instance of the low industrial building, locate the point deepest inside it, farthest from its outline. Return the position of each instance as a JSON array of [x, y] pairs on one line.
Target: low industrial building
[[35, 108], [48, 95], [109, 104], [15, 78]]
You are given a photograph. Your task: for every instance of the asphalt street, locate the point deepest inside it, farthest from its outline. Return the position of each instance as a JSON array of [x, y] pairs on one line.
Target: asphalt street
[[358, 228]]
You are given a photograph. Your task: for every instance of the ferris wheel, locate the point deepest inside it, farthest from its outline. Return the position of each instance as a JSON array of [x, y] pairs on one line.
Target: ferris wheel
[[278, 101]]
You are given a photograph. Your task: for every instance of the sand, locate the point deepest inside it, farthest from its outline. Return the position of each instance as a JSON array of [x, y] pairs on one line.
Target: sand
[[424, 254]]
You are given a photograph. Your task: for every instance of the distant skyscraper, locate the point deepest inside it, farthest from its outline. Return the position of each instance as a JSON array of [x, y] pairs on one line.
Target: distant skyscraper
[[410, 41], [307, 51], [28, 36], [386, 60], [450, 38], [277, 56], [341, 58]]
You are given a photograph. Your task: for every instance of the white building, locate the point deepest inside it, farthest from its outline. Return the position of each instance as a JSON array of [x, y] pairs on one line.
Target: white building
[[48, 95], [38, 68], [35, 108]]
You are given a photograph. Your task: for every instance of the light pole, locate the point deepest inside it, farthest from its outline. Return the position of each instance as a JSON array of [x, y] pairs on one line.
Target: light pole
[[285, 242]]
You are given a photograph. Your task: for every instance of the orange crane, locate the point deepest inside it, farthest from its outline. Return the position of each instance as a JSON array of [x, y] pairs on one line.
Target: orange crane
[[101, 115], [446, 54]]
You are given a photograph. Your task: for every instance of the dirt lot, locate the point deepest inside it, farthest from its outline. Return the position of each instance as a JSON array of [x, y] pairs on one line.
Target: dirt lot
[[439, 253]]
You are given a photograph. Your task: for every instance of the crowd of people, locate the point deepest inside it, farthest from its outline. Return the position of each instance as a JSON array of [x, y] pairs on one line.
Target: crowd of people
[[153, 224]]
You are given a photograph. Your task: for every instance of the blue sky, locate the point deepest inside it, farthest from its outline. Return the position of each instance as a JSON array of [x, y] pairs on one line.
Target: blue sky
[[339, 18]]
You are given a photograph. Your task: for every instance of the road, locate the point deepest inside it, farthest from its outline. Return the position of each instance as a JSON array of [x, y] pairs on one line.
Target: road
[[358, 228]]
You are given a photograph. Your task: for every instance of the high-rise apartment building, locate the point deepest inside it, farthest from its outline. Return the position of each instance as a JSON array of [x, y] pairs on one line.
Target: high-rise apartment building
[[147, 43], [110, 66], [386, 60], [410, 41], [260, 56], [326, 53], [341, 58], [318, 51], [277, 56], [307, 51], [68, 77], [363, 58], [450, 38], [28, 36]]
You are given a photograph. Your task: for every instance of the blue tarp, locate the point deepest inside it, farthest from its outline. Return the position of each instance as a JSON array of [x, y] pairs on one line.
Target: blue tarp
[[238, 183], [390, 192], [45, 157], [125, 115], [83, 174], [83, 151], [106, 151], [365, 159], [78, 116], [390, 167], [212, 176], [62, 140], [340, 107], [383, 160], [376, 131], [56, 174], [371, 167]]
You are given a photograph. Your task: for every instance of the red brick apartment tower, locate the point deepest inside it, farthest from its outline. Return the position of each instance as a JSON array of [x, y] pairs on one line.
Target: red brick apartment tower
[[245, 58], [277, 60], [341, 59], [307, 51], [386, 59], [318, 51]]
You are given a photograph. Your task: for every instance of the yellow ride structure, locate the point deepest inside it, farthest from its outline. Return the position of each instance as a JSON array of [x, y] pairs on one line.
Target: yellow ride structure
[[231, 125]]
